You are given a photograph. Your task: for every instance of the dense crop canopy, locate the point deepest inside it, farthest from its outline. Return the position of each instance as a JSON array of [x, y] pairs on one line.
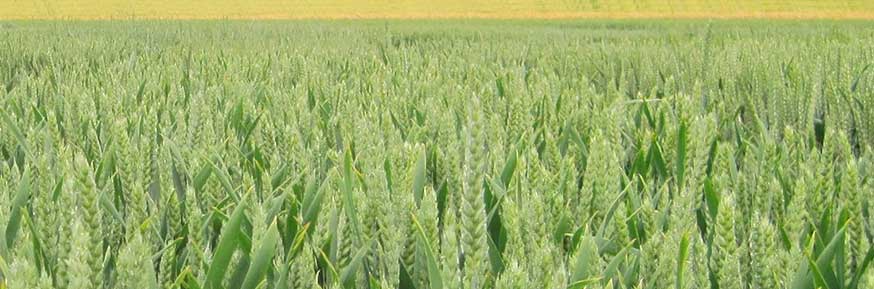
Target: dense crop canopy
[[436, 155]]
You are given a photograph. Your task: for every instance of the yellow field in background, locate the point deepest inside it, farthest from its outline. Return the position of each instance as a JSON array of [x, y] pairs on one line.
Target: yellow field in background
[[332, 9]]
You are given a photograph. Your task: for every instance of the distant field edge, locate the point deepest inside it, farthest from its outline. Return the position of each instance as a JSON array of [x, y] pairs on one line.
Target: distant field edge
[[825, 15]]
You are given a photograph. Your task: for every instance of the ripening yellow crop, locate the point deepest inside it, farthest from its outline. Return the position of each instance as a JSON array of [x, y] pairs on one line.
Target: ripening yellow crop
[[297, 9]]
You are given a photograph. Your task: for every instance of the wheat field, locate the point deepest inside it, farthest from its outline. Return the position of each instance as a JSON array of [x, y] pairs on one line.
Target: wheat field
[[436, 154], [378, 9]]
